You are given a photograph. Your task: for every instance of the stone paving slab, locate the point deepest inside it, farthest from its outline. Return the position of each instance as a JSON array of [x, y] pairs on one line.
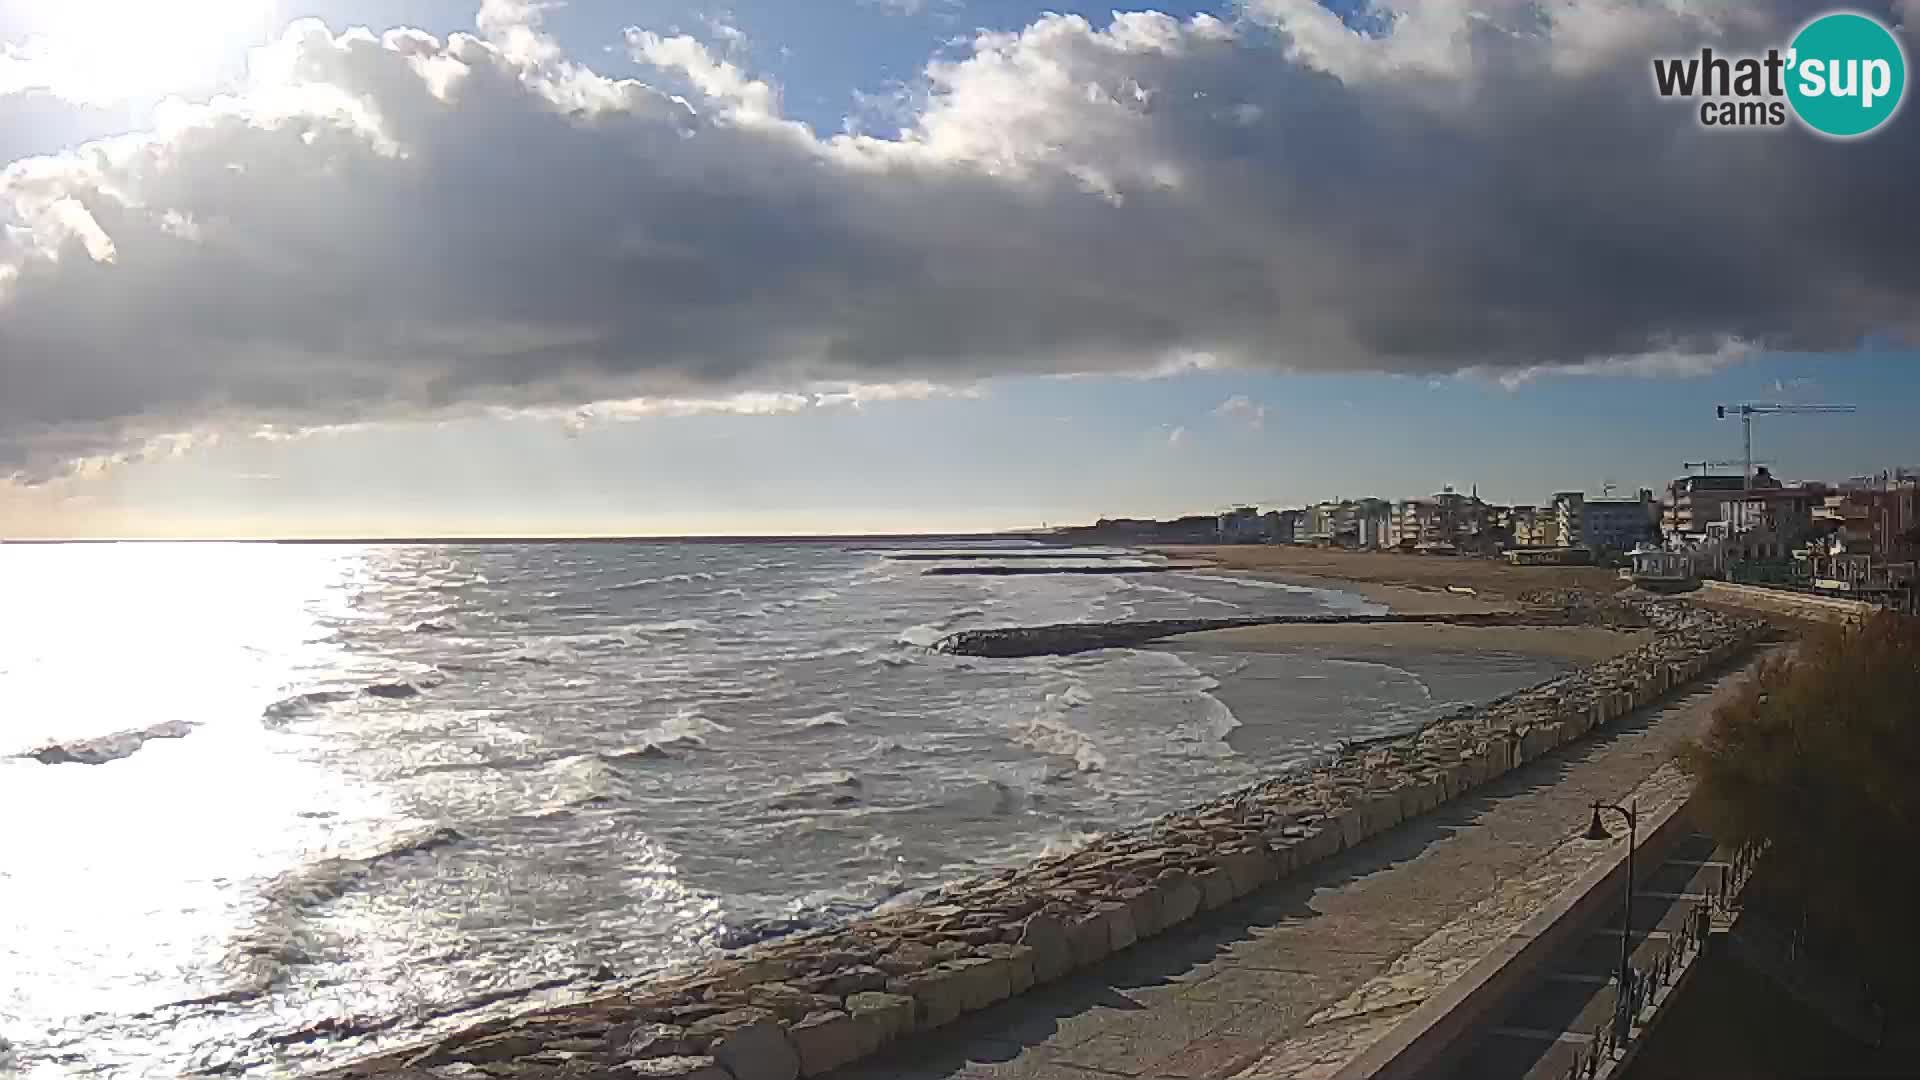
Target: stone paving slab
[[1298, 978], [1522, 1057], [1680, 878], [1571, 1009]]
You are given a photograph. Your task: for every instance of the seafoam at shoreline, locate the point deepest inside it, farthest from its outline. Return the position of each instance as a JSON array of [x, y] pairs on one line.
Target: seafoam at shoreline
[[807, 1004]]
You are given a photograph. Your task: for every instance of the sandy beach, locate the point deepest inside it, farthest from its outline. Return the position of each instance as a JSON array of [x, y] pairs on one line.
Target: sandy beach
[[1411, 584], [1453, 661]]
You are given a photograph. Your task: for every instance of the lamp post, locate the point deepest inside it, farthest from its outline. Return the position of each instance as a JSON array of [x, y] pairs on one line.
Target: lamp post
[[1598, 831]]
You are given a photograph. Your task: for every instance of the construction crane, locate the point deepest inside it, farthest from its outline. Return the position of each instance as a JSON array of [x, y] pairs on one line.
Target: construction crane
[[1703, 466], [1746, 411]]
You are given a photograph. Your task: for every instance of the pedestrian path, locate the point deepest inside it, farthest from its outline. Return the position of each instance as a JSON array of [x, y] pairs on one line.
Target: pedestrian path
[[1561, 1027]]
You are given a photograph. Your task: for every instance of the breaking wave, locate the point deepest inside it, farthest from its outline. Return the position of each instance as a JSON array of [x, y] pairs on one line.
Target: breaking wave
[[837, 790], [299, 706], [825, 719], [668, 579], [1048, 734], [686, 729], [280, 938]]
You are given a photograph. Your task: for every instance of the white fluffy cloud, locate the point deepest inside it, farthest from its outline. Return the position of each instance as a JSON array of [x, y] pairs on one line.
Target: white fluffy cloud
[[396, 225]]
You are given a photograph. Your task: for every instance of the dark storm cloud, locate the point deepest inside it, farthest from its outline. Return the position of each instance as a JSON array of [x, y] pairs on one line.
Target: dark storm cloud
[[386, 227]]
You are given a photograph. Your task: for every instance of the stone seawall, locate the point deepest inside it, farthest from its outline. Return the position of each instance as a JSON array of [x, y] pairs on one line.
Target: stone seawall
[[1785, 602], [804, 1005]]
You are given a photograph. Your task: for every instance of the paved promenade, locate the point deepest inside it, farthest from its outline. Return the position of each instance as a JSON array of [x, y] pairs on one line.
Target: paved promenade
[[1296, 980], [1551, 1026]]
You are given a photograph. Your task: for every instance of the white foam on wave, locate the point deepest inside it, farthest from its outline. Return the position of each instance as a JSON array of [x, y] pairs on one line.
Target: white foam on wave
[[280, 937], [685, 728], [831, 653], [665, 579], [672, 626], [1217, 722], [545, 653], [923, 635], [1063, 843], [1389, 673], [1134, 585], [578, 780], [1073, 697], [825, 719], [1044, 731]]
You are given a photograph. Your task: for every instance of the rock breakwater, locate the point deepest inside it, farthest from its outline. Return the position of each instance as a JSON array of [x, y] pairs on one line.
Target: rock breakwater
[[1060, 639], [804, 1005], [104, 748], [1030, 571]]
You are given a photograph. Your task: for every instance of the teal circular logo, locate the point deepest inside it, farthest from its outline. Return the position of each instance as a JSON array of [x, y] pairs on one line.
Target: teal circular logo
[[1846, 74]]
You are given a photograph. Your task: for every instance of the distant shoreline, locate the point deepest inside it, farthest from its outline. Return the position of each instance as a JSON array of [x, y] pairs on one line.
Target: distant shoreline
[[804, 538]]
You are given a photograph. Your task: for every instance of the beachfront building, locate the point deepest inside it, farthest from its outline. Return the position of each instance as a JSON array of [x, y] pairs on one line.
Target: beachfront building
[[1534, 527], [1608, 524], [1372, 523], [1446, 520], [1567, 522], [1693, 502], [1348, 523], [1420, 523], [1282, 526], [1241, 525], [1877, 517]]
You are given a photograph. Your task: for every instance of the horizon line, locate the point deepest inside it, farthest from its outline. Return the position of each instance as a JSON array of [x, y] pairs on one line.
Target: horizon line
[[496, 538]]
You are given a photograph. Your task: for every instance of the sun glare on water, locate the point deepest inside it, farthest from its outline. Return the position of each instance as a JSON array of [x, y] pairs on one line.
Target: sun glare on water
[[104, 51]]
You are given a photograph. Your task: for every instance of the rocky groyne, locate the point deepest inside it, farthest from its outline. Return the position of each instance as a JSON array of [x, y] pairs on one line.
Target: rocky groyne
[[1037, 571], [1004, 556], [804, 1005], [1060, 639]]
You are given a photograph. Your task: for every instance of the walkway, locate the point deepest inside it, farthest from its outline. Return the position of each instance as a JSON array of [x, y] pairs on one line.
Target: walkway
[[1297, 979], [1554, 1024]]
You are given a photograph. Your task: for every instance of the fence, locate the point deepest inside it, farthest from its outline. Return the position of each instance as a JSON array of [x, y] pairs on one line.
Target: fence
[[1611, 1039]]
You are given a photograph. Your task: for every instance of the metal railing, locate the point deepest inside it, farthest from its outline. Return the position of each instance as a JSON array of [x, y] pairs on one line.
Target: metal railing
[[1611, 1038]]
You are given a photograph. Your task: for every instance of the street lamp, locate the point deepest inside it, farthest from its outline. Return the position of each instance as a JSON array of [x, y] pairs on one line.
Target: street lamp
[[1598, 831]]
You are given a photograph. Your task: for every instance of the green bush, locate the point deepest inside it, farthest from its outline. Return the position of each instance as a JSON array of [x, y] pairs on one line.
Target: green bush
[[1819, 757]]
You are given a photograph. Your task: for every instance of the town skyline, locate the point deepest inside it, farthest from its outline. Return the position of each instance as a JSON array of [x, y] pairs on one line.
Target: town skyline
[[428, 267]]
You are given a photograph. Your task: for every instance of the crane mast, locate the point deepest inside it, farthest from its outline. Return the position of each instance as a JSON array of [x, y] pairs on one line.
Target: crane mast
[[1746, 411]]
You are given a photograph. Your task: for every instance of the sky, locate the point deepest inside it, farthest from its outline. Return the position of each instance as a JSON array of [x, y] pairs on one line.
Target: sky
[[418, 267]]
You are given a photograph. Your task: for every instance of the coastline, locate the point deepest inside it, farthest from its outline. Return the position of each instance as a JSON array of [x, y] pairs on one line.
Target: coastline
[[808, 1004], [1408, 584], [1373, 641]]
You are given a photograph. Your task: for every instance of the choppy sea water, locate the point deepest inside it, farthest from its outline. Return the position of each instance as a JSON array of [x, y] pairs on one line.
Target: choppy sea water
[[251, 791]]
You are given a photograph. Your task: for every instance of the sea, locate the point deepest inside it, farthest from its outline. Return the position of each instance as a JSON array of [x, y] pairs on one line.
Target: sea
[[266, 807]]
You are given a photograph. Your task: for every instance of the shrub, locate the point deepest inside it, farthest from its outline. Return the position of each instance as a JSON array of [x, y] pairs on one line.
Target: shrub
[[1819, 756]]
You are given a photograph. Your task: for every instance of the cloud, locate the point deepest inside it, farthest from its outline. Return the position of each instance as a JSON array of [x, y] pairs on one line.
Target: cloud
[[1176, 435], [943, 8], [1242, 409], [854, 396], [381, 227], [1670, 363]]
